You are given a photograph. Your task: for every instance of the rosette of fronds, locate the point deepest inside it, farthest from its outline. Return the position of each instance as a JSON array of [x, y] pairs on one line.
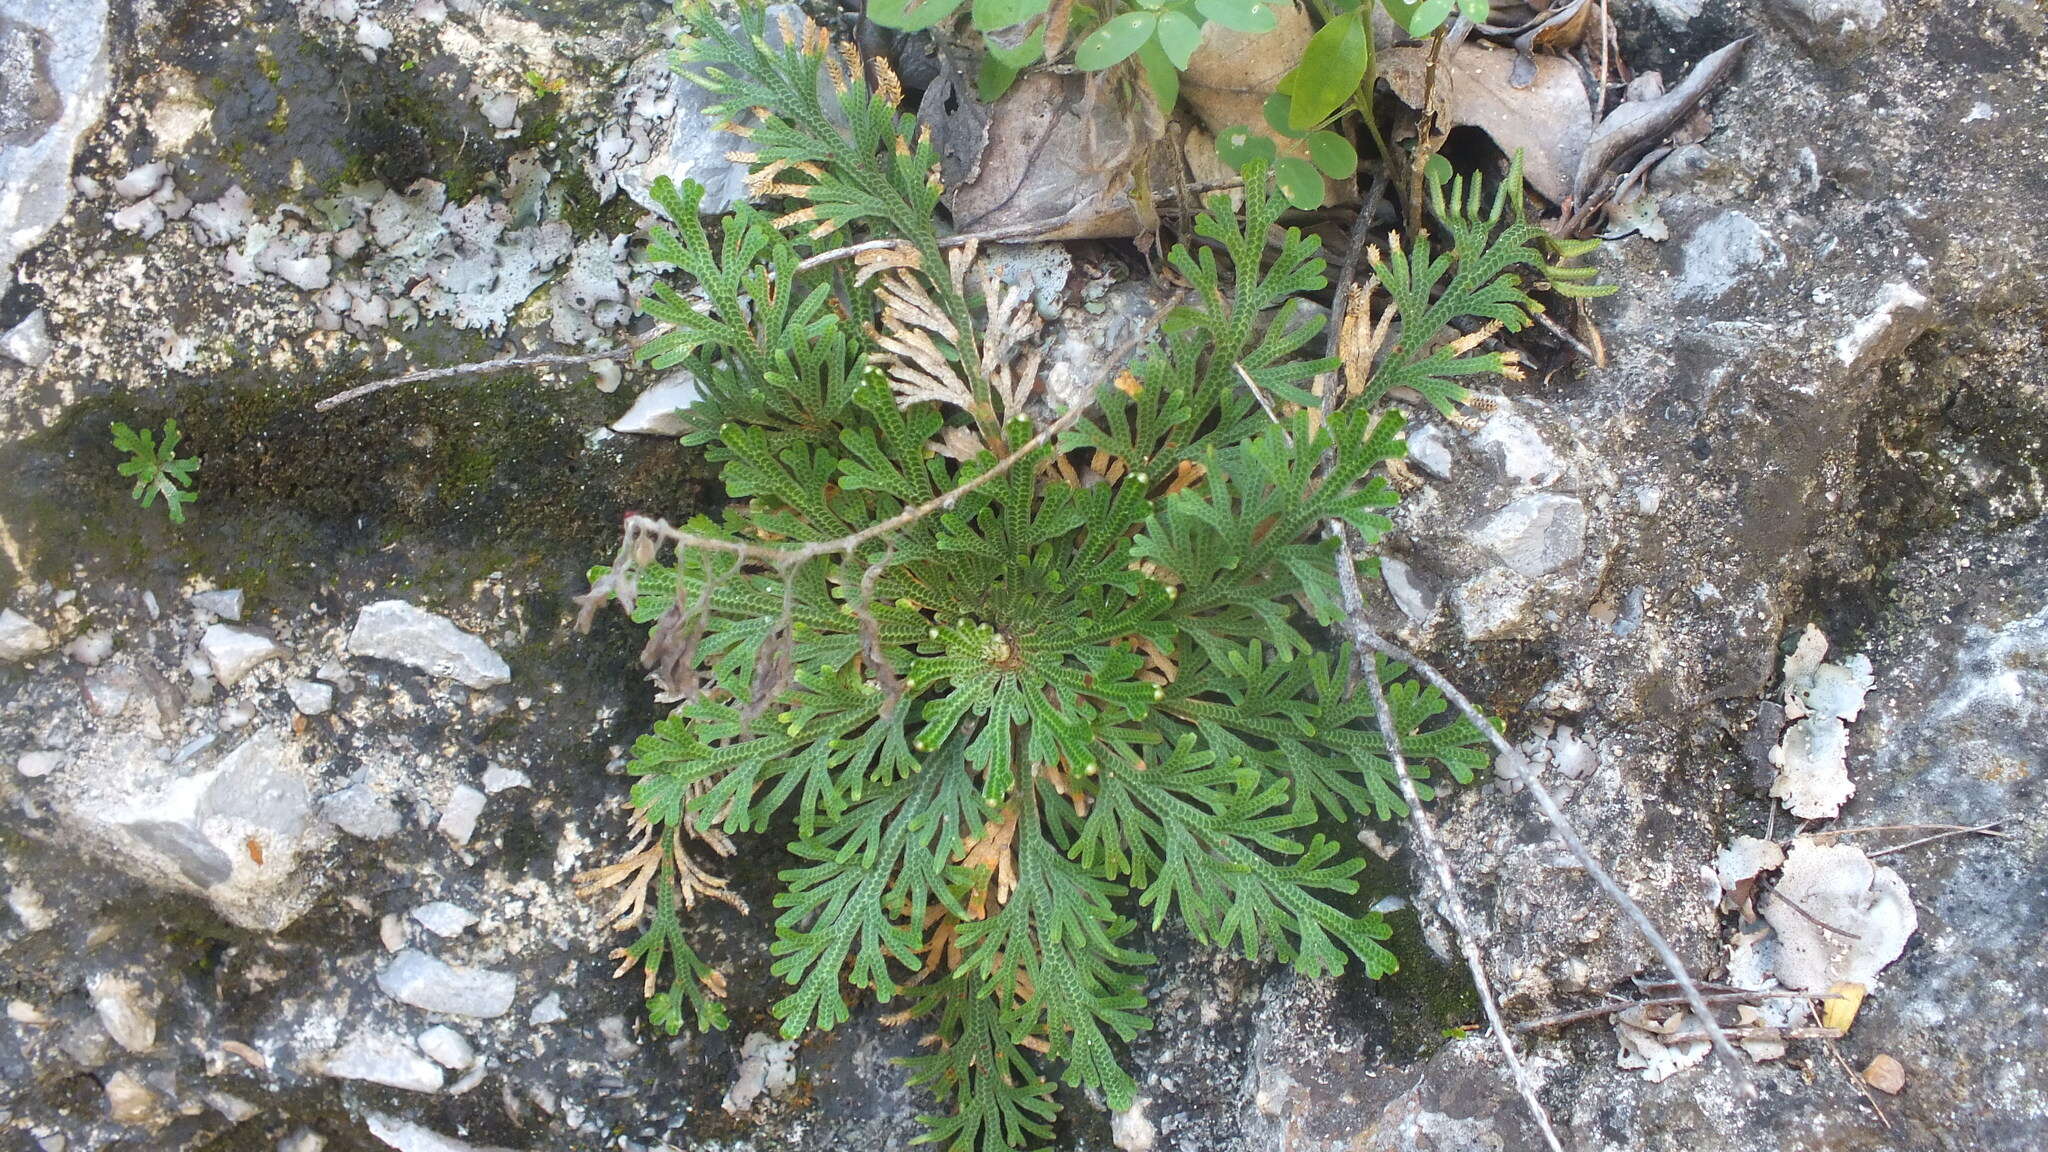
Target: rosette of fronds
[[1020, 680]]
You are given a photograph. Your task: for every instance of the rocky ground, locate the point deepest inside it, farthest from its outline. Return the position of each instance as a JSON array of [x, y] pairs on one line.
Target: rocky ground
[[295, 792]]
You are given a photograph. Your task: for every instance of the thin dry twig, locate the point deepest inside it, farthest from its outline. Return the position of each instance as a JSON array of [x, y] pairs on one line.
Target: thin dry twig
[[1547, 804], [1564, 334], [479, 368], [1945, 831], [1816, 921], [1599, 1010], [1347, 272], [1354, 610], [1600, 89], [1855, 1081], [1440, 868]]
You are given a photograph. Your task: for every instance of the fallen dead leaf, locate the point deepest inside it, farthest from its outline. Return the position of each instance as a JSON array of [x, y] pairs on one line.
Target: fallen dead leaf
[[1231, 74], [1549, 122], [1058, 157], [1840, 1012], [1885, 1074]]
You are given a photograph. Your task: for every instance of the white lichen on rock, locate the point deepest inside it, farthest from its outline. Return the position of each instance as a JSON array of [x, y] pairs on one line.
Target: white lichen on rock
[[1813, 755]]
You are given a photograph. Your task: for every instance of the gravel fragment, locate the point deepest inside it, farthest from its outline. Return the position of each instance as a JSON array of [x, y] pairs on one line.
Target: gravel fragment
[[233, 653], [415, 978], [444, 919], [22, 638], [458, 819], [395, 630], [381, 1058], [310, 697]]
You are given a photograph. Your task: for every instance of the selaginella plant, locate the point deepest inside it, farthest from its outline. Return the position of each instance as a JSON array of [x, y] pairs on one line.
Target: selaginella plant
[[156, 468], [1021, 661]]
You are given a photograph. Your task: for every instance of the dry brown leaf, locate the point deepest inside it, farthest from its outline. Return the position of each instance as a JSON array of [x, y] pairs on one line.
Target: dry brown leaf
[[1548, 122], [1885, 1074], [1057, 159]]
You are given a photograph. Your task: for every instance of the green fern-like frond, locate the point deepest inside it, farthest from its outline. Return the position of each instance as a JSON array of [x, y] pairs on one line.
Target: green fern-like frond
[[156, 468], [1495, 259]]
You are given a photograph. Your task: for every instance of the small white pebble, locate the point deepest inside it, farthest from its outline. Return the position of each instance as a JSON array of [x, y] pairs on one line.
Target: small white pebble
[[498, 778], [391, 931], [548, 1011], [444, 919], [447, 1047], [458, 819], [310, 696]]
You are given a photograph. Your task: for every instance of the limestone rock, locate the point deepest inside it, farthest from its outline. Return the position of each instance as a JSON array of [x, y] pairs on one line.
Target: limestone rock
[[406, 1136], [397, 631], [359, 811], [1834, 31], [192, 831], [458, 819], [225, 603], [125, 1012], [233, 652], [310, 697], [53, 86], [444, 919], [1538, 534], [447, 1047], [22, 638], [381, 1058], [415, 978]]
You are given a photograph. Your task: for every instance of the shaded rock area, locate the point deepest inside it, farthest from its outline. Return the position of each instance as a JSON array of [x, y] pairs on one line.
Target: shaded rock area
[[295, 793]]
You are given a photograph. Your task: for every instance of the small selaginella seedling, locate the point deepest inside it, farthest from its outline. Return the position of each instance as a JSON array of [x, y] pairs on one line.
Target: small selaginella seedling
[[1019, 672]]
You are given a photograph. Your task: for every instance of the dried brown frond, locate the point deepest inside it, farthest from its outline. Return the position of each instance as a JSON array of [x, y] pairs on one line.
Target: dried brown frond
[[789, 220], [873, 262], [635, 872], [1361, 337], [1186, 475], [1157, 662], [1008, 362], [797, 29], [890, 89], [957, 442], [1475, 338], [1056, 775], [993, 853]]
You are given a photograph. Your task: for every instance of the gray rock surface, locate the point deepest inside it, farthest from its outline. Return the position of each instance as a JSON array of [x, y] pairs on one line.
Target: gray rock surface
[[359, 811], [444, 919], [1835, 31], [1536, 535], [56, 69], [397, 631]]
